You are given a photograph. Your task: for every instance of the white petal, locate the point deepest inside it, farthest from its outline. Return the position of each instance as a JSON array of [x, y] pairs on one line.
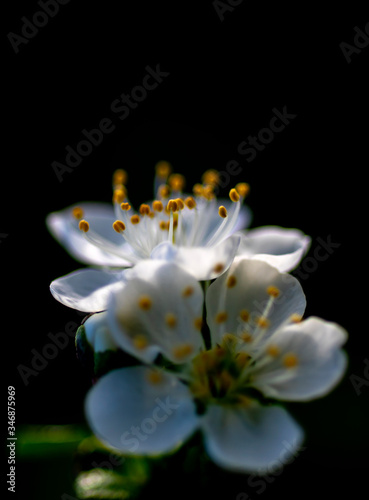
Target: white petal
[[249, 294], [257, 439], [98, 334], [86, 289], [210, 220], [134, 414], [167, 323], [280, 247], [320, 361], [204, 263], [100, 216]]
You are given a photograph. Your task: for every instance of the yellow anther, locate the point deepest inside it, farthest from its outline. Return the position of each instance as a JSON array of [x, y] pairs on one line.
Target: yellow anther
[[210, 177], [208, 192], [84, 225], [164, 191], [125, 206], [231, 281], [199, 389], [176, 182], [211, 359], [180, 203], [273, 351], [77, 213], [198, 322], [157, 205], [172, 205], [226, 380], [119, 226], [295, 318], [182, 351], [144, 209], [198, 189], [242, 359], [246, 337], [229, 339], [119, 195], [188, 291], [190, 202], [218, 268], [218, 353], [140, 341], [244, 315], [234, 196], [163, 225], [163, 169], [290, 360], [171, 320], [135, 219], [244, 401], [120, 177], [221, 317], [273, 291], [144, 303], [155, 377], [242, 189], [262, 322], [222, 212]]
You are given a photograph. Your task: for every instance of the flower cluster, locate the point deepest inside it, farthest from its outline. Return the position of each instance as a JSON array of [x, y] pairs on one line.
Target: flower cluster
[[210, 315]]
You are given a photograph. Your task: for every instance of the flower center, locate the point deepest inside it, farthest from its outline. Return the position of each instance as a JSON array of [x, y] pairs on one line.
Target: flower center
[[216, 377], [173, 216]]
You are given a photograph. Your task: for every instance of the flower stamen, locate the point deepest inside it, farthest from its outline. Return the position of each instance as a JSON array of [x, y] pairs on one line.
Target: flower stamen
[[145, 303], [222, 212], [77, 213], [182, 351], [234, 196], [84, 225], [171, 320], [140, 341], [290, 360], [119, 226], [135, 219]]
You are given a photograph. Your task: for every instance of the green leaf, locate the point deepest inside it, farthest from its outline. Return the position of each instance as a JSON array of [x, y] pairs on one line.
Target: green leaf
[[40, 441]]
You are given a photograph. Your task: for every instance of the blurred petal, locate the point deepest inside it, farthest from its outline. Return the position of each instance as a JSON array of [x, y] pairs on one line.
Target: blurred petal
[[98, 334], [244, 217], [281, 248], [86, 289], [136, 410], [251, 439], [319, 361], [64, 227], [204, 263], [241, 294], [158, 311]]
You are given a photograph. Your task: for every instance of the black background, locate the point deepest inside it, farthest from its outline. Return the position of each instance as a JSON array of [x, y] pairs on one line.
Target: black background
[[225, 78]]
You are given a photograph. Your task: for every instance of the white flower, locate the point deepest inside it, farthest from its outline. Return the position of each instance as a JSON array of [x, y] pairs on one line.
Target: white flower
[[197, 232], [257, 347]]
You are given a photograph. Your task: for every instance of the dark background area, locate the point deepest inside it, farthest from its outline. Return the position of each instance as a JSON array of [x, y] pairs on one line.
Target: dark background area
[[225, 78]]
